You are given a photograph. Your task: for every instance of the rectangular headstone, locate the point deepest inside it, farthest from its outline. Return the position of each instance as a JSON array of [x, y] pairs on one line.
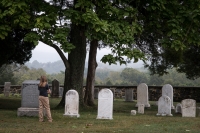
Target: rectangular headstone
[[72, 104], [55, 89], [142, 95], [129, 95], [96, 92], [105, 104], [188, 108], [141, 108], [7, 89], [30, 98], [60, 91]]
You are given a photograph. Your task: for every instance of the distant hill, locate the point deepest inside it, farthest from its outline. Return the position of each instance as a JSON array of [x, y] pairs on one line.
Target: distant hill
[[57, 66]]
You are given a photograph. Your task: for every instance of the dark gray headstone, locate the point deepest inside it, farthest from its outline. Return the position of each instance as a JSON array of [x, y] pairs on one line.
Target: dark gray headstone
[[30, 95], [55, 89], [7, 89]]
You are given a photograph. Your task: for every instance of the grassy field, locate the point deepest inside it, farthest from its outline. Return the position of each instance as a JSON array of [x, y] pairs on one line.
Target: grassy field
[[122, 121]]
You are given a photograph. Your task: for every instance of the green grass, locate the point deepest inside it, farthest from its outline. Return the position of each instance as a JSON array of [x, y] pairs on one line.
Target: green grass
[[122, 121]]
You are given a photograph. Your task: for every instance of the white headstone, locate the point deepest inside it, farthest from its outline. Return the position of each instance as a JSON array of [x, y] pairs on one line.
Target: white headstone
[[7, 89], [142, 95], [105, 104], [164, 106], [140, 108], [188, 108], [168, 91], [72, 104], [178, 108], [29, 102], [129, 95], [133, 112]]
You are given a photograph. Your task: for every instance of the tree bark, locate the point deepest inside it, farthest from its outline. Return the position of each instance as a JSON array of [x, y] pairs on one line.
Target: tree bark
[[92, 64]]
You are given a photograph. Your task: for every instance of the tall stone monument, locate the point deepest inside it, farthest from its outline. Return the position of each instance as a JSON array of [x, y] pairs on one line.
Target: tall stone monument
[[142, 95], [30, 101]]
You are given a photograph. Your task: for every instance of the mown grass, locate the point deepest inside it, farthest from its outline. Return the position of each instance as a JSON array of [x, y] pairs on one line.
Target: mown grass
[[122, 121]]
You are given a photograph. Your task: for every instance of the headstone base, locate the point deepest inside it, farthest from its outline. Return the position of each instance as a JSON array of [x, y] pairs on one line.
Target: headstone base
[[102, 117], [27, 111], [72, 115]]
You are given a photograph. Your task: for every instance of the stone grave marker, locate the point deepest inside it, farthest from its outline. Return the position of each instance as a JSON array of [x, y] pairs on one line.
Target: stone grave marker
[[178, 108], [30, 101], [140, 108], [96, 92], [55, 89], [7, 89], [188, 108], [168, 91], [60, 91], [129, 95], [133, 112], [164, 106], [72, 104], [142, 95], [105, 104]]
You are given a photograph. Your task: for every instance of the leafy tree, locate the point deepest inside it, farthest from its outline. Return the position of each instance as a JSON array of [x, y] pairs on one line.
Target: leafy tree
[[133, 76]]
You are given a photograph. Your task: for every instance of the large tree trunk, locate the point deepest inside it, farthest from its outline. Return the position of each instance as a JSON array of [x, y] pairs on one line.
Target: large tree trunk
[[77, 60], [92, 64], [75, 64]]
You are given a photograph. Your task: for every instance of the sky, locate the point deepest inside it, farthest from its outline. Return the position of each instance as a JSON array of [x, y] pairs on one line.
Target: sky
[[44, 53]]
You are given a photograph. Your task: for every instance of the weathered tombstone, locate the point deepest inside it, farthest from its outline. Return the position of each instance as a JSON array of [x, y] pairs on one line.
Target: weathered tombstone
[[7, 89], [142, 95], [55, 89], [129, 94], [60, 91], [168, 91], [30, 101], [96, 92], [105, 104], [133, 112], [188, 108], [164, 106], [72, 104], [141, 108], [178, 108]]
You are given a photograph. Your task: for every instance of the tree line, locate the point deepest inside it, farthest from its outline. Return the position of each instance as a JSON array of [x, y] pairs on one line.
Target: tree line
[[16, 74]]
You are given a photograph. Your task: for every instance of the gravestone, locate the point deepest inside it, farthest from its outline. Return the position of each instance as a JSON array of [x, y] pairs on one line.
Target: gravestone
[[133, 112], [30, 99], [188, 108], [96, 92], [72, 104], [7, 89], [129, 95], [105, 104], [164, 106], [55, 89], [142, 95], [60, 91], [168, 91], [178, 108], [141, 108]]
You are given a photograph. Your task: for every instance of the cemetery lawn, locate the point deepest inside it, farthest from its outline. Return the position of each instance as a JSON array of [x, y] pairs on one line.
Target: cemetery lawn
[[122, 121]]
